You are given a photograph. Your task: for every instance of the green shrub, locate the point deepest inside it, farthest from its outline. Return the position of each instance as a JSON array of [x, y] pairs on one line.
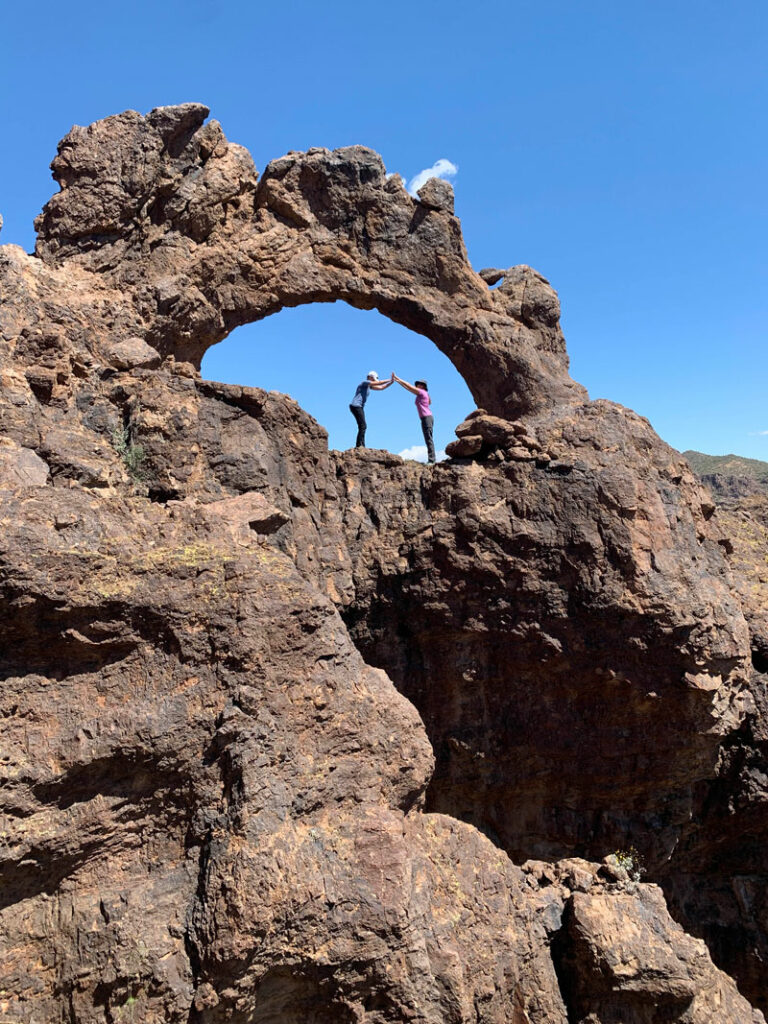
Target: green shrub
[[133, 455]]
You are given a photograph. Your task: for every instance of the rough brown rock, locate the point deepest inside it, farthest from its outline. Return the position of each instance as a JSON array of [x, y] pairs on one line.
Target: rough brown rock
[[436, 194], [213, 809], [660, 971], [579, 601], [720, 881]]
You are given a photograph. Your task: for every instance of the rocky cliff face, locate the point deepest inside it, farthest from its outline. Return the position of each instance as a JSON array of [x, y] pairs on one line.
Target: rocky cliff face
[[720, 882], [292, 735]]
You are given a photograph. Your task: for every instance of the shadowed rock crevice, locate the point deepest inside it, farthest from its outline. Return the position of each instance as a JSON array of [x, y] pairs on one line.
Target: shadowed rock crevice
[[125, 788], [79, 641], [133, 779]]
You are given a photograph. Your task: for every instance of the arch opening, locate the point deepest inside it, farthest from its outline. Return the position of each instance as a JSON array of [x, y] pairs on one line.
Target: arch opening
[[319, 352]]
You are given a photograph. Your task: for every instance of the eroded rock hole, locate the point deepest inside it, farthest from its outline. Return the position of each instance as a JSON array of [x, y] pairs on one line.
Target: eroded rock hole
[[760, 658], [319, 353]]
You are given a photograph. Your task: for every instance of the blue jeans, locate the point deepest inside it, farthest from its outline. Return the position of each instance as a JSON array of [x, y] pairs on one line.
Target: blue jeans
[[427, 422], [359, 414]]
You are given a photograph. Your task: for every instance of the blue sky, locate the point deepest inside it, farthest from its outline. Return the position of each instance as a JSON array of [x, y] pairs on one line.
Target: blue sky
[[618, 147]]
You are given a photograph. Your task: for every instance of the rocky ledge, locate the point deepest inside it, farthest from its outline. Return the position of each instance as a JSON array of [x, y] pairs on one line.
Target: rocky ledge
[[294, 735]]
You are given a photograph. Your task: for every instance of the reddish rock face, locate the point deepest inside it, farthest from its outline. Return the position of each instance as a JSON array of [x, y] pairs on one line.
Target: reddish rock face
[[213, 808], [565, 629], [718, 880]]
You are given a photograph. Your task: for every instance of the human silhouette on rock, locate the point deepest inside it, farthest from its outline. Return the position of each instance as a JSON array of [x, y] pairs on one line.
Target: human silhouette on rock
[[357, 405], [424, 409]]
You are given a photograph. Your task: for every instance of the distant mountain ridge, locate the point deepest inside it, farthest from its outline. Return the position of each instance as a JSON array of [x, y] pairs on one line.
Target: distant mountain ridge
[[727, 465], [730, 476]]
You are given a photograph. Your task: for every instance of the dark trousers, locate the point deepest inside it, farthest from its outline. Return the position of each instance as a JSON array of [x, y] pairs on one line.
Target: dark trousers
[[427, 422], [359, 414]]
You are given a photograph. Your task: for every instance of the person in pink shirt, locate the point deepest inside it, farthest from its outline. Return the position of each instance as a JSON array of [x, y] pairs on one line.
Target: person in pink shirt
[[424, 409]]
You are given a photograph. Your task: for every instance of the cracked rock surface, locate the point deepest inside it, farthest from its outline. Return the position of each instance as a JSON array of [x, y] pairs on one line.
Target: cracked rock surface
[[290, 735]]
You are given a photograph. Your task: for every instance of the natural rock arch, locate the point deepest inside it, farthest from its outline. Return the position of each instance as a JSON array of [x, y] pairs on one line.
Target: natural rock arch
[[161, 241], [184, 222], [319, 352]]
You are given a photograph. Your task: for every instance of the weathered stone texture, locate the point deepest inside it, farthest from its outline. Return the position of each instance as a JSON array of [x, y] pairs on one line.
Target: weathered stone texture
[[212, 808], [720, 881]]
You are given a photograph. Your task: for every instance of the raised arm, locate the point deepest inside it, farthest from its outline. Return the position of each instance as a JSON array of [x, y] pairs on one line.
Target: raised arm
[[382, 385], [406, 385]]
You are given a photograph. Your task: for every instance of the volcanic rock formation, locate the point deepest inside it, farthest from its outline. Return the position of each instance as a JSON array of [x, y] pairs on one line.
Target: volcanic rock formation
[[720, 878], [229, 654]]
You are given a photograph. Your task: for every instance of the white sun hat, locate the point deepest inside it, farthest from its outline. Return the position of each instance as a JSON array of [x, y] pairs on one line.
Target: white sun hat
[[372, 375]]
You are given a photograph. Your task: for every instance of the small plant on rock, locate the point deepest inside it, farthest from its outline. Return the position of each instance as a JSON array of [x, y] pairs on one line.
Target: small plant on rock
[[632, 862], [133, 455]]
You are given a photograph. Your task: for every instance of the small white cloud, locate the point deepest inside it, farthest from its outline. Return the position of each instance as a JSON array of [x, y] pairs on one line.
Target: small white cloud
[[758, 433], [440, 169], [418, 453]]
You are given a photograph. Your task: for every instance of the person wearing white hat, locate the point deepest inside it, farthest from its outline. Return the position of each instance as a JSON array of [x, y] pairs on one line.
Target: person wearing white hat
[[357, 405]]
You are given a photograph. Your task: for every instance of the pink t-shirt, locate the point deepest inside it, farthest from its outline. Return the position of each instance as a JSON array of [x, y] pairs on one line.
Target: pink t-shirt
[[423, 403]]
